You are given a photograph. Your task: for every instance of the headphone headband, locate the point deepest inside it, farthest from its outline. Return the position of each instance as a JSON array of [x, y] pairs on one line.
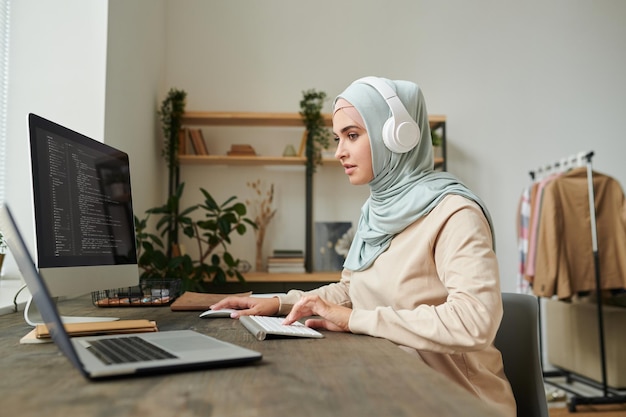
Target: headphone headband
[[400, 132]]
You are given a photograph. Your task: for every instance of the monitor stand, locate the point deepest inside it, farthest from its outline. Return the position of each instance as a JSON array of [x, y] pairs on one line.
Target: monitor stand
[[33, 317]]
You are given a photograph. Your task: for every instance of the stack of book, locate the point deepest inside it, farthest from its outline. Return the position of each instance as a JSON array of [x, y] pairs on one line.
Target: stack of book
[[286, 261], [241, 150], [196, 138], [197, 142]]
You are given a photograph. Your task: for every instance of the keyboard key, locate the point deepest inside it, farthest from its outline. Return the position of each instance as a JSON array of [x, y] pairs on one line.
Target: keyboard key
[[126, 350]]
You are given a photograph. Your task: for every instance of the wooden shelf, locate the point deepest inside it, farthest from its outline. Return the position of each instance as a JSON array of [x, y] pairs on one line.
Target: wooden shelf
[[436, 120], [293, 277], [246, 119], [258, 160], [262, 119], [240, 160], [212, 118]]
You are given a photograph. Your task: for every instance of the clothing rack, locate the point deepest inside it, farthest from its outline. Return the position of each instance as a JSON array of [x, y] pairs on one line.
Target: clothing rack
[[563, 164], [609, 396]]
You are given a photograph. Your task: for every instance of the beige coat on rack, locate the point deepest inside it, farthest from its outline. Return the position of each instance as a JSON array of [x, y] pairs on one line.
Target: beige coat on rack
[[565, 261]]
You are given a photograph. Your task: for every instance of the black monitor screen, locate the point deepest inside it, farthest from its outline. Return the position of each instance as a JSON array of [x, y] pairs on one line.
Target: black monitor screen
[[82, 196]]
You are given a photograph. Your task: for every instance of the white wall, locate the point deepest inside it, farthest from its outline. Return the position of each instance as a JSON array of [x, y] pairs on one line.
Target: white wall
[[96, 67], [522, 83], [57, 70], [134, 89]]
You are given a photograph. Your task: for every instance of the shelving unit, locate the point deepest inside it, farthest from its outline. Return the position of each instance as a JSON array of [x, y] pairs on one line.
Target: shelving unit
[[262, 119], [292, 277], [251, 119]]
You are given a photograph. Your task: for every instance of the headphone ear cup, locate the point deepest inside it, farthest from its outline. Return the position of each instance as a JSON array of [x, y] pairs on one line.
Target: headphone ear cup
[[388, 134], [400, 139]]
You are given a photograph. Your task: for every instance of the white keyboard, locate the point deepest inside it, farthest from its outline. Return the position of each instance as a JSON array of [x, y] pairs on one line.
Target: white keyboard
[[264, 326]]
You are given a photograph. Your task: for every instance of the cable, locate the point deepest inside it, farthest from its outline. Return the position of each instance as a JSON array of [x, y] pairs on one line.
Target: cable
[[15, 308]]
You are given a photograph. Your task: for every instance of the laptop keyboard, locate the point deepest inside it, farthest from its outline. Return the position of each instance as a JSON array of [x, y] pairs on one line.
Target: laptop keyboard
[[126, 350]]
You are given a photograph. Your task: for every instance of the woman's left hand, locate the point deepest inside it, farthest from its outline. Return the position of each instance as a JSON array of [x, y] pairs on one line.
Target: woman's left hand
[[334, 317]]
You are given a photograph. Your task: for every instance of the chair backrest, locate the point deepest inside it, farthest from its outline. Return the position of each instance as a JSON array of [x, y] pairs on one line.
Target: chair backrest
[[518, 341]]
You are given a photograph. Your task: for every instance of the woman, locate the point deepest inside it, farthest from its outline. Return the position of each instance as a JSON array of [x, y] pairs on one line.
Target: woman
[[421, 270]]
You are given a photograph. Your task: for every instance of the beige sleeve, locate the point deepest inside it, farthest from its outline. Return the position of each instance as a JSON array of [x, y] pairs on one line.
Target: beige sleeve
[[337, 293]]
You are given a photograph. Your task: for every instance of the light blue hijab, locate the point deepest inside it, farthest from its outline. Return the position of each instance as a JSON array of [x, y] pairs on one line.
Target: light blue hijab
[[405, 186]]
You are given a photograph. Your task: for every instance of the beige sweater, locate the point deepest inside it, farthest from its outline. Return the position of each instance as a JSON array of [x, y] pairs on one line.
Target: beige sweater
[[435, 292]]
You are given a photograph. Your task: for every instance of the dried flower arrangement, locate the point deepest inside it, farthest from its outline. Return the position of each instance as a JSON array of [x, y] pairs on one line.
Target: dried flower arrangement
[[263, 214]]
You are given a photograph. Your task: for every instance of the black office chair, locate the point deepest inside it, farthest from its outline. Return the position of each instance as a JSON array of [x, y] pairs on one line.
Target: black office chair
[[518, 341]]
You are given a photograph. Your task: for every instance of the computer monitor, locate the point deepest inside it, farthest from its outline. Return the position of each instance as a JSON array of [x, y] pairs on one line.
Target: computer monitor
[[84, 223]]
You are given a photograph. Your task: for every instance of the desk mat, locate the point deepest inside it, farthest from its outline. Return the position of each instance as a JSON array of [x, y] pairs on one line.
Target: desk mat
[[197, 301]]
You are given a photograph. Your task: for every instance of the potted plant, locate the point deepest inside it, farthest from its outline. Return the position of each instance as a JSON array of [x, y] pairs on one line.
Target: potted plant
[[171, 114], [317, 133], [317, 138], [209, 235]]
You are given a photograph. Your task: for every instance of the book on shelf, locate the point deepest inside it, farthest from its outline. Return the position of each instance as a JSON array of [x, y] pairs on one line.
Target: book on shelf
[[286, 261], [197, 142], [288, 253], [182, 141], [282, 269], [241, 150]]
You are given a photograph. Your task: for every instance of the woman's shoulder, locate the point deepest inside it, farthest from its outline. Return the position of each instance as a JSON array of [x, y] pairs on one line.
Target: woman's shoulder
[[454, 202], [460, 207]]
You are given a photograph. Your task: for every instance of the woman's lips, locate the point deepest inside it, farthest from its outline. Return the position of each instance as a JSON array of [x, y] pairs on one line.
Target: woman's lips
[[349, 169]]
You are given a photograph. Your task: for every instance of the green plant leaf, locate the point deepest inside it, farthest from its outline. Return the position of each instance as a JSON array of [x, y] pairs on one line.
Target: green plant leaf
[[188, 231], [251, 223], [228, 258], [240, 209], [227, 201], [211, 233], [209, 201]]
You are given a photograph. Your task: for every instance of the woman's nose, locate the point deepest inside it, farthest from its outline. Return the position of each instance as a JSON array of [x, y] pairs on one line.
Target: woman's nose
[[340, 151]]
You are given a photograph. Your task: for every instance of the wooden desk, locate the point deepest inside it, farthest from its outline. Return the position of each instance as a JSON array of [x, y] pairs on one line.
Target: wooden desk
[[340, 375]]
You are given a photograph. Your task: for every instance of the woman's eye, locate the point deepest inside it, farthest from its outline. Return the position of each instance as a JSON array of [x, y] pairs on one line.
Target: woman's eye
[[353, 136], [336, 138]]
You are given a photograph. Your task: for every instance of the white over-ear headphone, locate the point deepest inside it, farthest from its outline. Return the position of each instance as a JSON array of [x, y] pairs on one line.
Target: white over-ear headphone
[[400, 132]]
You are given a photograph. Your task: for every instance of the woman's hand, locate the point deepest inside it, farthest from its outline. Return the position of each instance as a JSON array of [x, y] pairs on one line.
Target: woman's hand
[[249, 306], [334, 317]]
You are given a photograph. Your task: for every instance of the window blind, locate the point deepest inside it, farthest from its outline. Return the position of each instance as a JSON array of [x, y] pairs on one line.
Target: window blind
[[5, 11]]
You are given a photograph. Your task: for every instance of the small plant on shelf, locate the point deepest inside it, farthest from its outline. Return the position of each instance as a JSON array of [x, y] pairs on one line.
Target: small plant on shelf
[[171, 114], [317, 133], [436, 139], [209, 234]]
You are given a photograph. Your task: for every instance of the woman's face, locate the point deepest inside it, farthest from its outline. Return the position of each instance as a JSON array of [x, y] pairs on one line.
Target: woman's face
[[353, 149]]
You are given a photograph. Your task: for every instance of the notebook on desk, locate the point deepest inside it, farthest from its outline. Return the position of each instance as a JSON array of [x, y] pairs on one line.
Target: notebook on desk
[[95, 356]]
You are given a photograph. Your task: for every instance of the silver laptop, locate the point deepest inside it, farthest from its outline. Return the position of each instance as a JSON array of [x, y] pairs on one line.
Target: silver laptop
[[96, 357]]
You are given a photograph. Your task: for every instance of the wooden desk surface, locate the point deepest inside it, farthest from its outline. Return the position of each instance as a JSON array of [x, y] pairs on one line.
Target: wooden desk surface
[[340, 375]]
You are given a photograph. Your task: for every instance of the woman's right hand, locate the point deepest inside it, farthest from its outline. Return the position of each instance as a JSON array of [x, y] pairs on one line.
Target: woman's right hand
[[249, 306]]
